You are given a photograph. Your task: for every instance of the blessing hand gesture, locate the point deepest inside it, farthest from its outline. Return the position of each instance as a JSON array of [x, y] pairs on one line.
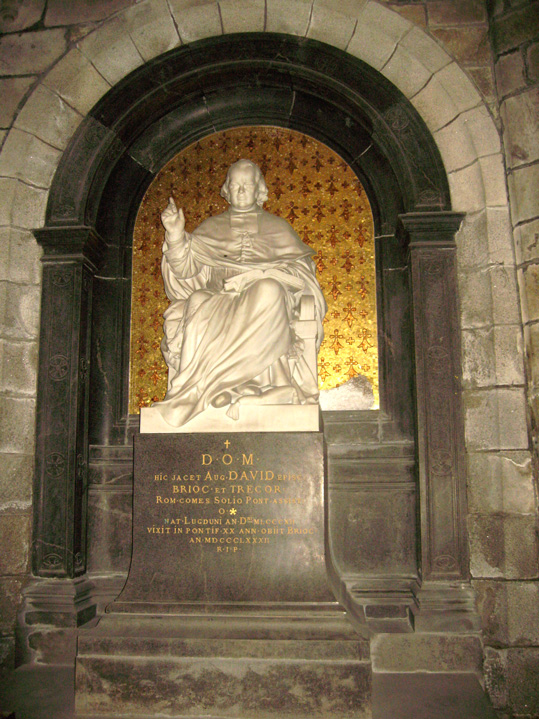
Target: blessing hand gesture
[[173, 221]]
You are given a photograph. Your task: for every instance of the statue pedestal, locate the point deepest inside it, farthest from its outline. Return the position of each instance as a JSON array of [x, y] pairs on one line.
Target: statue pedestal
[[227, 609], [252, 418]]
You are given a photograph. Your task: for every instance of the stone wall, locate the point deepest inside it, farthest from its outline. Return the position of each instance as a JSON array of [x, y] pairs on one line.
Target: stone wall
[[58, 58], [510, 609]]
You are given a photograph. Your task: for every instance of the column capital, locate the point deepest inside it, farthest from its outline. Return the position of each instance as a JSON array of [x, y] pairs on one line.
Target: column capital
[[430, 228], [76, 243]]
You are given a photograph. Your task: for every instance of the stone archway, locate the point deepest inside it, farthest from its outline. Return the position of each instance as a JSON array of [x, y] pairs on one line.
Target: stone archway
[[92, 203]]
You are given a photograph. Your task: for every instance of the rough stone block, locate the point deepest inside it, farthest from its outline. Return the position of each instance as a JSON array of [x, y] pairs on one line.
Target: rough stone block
[[529, 285], [522, 676], [482, 130], [111, 50], [510, 73], [527, 241], [505, 299], [21, 205], [151, 28], [503, 546], [12, 91], [22, 255], [508, 355], [469, 45], [60, 12], [475, 294], [500, 482], [425, 652], [523, 184], [242, 15], [15, 536], [523, 612], [485, 534], [76, 80], [459, 87], [532, 62], [455, 145], [500, 241], [416, 14], [478, 365], [10, 597], [520, 115], [493, 173], [27, 158], [495, 419], [17, 16], [17, 420], [30, 52], [435, 105], [197, 22], [330, 26], [19, 368], [456, 12], [512, 29], [467, 188], [48, 117], [406, 72], [20, 316], [288, 16], [16, 481], [509, 611]]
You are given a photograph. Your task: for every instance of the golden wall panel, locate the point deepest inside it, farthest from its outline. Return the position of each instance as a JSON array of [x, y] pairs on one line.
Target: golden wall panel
[[310, 186]]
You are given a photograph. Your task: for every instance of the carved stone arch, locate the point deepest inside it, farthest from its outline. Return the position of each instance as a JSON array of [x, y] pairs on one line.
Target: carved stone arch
[[128, 136]]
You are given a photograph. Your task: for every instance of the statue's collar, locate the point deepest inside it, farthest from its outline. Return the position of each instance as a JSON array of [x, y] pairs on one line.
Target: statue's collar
[[244, 221]]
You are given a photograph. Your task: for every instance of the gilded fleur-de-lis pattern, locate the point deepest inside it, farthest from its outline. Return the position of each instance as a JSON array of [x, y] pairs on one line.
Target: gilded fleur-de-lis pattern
[[311, 187]]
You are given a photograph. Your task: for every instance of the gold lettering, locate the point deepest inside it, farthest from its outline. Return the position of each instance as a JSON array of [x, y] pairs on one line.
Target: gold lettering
[[247, 459], [207, 459]]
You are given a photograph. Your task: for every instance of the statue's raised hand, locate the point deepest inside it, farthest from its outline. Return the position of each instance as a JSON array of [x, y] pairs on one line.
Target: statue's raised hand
[[173, 221]]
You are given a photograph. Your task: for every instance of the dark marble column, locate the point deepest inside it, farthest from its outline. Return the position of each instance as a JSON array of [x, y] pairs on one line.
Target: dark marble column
[[444, 599], [71, 257]]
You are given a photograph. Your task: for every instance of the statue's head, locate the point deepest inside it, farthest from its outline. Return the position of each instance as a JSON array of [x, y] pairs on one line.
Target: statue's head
[[244, 187]]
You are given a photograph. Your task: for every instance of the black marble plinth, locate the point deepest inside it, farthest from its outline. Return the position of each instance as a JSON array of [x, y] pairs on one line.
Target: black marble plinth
[[227, 519]]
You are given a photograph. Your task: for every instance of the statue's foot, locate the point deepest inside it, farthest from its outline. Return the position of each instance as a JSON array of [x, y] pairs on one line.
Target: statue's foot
[[222, 400], [248, 389], [275, 395]]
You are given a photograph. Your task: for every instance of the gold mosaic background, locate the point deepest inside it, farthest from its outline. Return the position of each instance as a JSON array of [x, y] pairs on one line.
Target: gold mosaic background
[[310, 186]]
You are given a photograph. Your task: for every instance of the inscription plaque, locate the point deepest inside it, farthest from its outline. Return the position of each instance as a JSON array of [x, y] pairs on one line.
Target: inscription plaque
[[227, 518]]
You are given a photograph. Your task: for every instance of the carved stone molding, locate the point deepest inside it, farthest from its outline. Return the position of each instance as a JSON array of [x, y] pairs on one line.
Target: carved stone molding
[[70, 260], [440, 443]]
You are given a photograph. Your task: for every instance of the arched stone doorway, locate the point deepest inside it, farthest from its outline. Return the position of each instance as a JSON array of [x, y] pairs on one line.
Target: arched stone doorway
[[405, 465]]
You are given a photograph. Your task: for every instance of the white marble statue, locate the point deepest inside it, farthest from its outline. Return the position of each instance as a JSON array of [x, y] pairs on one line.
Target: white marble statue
[[235, 286]]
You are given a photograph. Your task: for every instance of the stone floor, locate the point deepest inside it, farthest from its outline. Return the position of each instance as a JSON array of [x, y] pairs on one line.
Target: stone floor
[[47, 693]]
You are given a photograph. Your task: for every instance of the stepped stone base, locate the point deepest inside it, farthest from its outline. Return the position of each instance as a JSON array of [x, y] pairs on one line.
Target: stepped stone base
[[281, 665]]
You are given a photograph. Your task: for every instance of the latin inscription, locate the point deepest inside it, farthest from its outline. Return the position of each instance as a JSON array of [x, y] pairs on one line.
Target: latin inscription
[[227, 502]]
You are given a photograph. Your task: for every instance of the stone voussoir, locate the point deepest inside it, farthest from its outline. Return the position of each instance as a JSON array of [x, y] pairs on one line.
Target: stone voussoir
[[330, 26], [111, 50], [151, 28], [242, 15], [197, 22]]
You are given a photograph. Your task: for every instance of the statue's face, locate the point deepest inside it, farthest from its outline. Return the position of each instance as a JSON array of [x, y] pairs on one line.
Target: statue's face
[[243, 188]]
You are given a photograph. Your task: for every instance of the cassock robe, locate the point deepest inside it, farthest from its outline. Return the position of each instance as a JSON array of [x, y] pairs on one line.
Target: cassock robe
[[218, 340]]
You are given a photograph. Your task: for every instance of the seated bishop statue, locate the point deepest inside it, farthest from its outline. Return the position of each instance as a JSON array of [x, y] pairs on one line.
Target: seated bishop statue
[[236, 286]]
